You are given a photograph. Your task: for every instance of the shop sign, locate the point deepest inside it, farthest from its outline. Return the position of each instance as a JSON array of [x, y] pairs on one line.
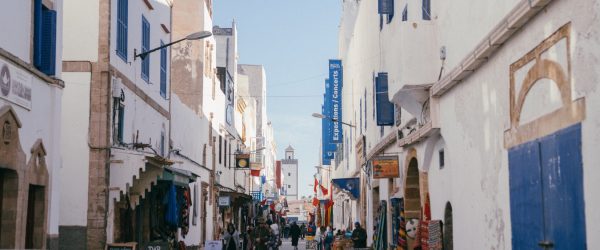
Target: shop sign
[[157, 245], [121, 246], [242, 161], [213, 245], [224, 201], [385, 167], [15, 84]]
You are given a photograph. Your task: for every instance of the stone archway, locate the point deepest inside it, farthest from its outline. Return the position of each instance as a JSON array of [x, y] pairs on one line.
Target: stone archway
[[412, 191], [12, 165]]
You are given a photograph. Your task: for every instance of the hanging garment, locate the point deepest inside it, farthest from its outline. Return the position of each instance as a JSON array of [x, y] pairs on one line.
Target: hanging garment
[[172, 214], [185, 203]]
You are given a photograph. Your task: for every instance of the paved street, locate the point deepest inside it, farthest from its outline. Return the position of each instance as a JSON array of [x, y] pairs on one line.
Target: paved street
[[287, 244]]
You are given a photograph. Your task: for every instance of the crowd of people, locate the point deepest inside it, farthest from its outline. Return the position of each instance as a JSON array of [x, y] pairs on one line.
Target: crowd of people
[[267, 236]]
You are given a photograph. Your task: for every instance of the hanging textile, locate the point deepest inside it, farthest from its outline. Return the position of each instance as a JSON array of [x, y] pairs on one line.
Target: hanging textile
[[398, 223], [185, 202], [380, 241], [315, 185], [323, 190], [435, 235], [172, 214]]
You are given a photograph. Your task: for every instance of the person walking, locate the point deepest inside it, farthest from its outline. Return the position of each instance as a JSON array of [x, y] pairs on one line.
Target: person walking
[[303, 230], [359, 236], [262, 235], [275, 241], [231, 238], [328, 239], [295, 233]]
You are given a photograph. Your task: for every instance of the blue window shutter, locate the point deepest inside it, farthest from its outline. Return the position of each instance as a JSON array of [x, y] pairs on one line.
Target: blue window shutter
[[37, 33], [426, 9], [145, 47], [385, 109], [122, 22], [163, 71], [48, 42], [386, 7]]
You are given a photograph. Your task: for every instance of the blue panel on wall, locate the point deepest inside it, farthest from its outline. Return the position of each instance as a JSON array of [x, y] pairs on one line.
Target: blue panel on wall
[[385, 108], [386, 7], [563, 189], [525, 195]]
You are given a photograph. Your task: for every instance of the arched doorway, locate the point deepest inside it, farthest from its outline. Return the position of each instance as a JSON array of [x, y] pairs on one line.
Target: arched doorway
[[448, 238], [412, 200], [412, 192]]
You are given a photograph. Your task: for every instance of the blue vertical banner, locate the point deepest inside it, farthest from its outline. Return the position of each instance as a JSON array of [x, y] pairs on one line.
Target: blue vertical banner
[[335, 99]]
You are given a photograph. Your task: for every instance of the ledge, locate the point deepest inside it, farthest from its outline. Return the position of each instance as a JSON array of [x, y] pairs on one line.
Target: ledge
[[419, 135], [522, 13], [29, 67]]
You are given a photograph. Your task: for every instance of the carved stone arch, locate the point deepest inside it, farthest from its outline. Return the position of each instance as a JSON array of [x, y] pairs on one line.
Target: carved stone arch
[[12, 168], [543, 69], [35, 197], [37, 170], [570, 112]]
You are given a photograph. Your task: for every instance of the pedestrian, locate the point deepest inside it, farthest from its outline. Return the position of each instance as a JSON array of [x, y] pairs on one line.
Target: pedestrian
[[249, 239], [262, 235], [231, 238], [295, 232], [359, 236], [275, 240], [328, 239], [302, 231]]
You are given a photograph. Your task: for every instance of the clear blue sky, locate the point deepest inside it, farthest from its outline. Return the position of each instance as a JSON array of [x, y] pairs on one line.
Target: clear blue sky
[[293, 40]]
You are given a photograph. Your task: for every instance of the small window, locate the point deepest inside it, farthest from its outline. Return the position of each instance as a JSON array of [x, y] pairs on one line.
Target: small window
[[220, 148], [426, 9], [163, 71], [289, 174], [162, 143], [145, 47], [441, 158], [121, 122], [405, 13], [289, 186], [122, 16]]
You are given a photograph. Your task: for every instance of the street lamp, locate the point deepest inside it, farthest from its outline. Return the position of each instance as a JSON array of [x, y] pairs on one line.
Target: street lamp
[[194, 36], [322, 116]]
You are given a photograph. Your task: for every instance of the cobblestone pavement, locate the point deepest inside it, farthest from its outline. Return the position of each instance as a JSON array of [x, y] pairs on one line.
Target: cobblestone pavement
[[287, 244]]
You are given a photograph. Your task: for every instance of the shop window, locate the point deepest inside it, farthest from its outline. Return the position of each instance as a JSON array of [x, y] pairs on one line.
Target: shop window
[[122, 16], [163, 71], [145, 47], [44, 43]]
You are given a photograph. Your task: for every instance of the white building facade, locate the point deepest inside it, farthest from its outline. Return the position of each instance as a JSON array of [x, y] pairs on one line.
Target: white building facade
[[30, 109], [487, 102]]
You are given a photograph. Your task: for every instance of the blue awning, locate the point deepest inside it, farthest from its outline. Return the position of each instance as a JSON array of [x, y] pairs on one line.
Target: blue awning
[[352, 185]]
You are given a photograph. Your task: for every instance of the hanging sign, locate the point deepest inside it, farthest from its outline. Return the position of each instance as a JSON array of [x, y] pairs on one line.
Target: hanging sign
[[335, 99], [385, 167], [242, 161], [224, 201]]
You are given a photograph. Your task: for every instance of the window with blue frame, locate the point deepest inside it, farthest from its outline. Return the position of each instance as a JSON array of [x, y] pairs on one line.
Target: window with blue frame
[[385, 109], [145, 47], [122, 20], [44, 38], [163, 71], [426, 9]]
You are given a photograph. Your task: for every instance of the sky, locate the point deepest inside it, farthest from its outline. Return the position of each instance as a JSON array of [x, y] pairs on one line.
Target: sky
[[293, 40]]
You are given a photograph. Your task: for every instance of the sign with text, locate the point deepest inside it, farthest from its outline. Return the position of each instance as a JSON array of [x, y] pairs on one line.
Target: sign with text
[[334, 99], [15, 84], [213, 245], [121, 246], [385, 167], [224, 201]]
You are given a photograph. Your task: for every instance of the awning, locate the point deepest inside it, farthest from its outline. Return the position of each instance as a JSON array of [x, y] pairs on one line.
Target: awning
[[179, 177], [351, 185], [412, 97]]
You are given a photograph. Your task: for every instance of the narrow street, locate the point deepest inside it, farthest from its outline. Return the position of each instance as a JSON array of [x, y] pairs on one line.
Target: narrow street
[[372, 124]]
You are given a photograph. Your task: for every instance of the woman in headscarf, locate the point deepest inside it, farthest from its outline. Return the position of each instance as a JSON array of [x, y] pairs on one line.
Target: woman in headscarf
[[231, 238]]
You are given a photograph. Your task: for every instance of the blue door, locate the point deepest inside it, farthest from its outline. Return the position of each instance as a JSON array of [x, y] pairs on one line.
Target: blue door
[[546, 192]]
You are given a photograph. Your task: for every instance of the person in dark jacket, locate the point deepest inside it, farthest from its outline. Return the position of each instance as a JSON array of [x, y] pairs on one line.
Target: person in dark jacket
[[262, 235], [295, 232], [359, 236]]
